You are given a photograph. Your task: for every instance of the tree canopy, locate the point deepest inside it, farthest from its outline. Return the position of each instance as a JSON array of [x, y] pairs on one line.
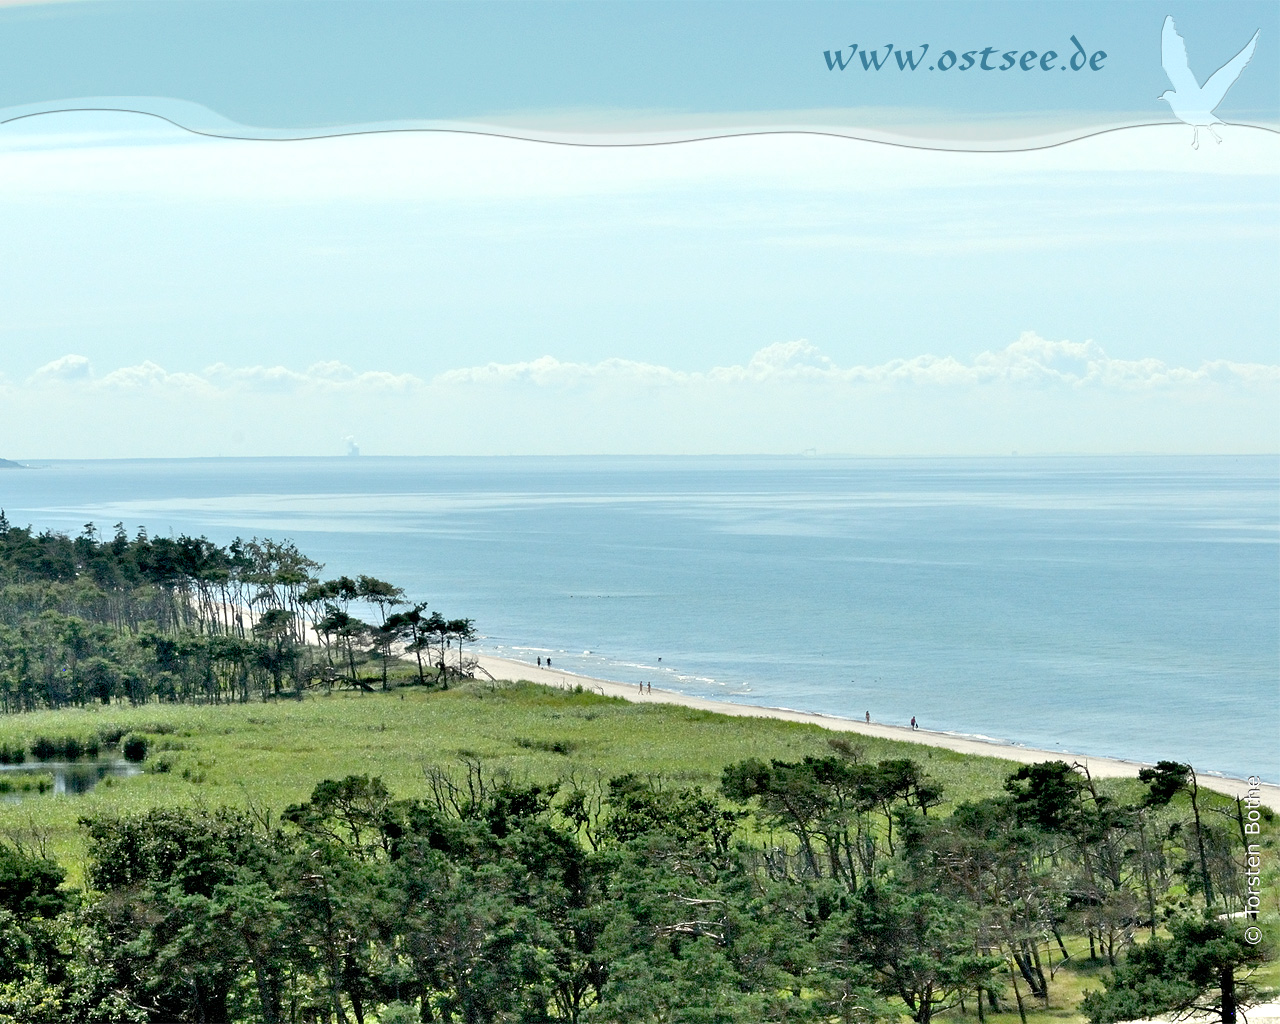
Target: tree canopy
[[95, 619]]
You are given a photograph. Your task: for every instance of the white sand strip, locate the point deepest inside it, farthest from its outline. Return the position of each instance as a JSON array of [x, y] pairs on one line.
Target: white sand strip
[[1103, 767]]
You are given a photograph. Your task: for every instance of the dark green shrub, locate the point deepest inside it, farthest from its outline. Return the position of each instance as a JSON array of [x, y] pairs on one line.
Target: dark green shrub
[[564, 747], [26, 784], [135, 748], [70, 748], [15, 754]]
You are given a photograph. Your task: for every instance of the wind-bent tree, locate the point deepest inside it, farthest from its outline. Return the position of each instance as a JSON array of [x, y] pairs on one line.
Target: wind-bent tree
[[1166, 780], [463, 632], [411, 630], [274, 631], [383, 596], [919, 946], [1195, 969]]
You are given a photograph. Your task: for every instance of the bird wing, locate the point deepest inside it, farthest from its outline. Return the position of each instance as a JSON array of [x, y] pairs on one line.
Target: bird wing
[[1173, 58], [1224, 78]]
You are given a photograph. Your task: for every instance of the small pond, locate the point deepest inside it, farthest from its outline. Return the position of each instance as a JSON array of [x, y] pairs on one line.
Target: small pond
[[69, 778]]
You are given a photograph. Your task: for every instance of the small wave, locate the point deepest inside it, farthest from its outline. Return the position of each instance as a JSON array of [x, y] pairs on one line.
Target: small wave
[[980, 737], [707, 680]]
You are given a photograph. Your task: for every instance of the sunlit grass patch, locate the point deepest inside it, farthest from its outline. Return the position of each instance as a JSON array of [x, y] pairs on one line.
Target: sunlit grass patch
[[271, 755]]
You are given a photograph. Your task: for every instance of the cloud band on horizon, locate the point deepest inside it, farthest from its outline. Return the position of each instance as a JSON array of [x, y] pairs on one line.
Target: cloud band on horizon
[[1031, 360], [1033, 395]]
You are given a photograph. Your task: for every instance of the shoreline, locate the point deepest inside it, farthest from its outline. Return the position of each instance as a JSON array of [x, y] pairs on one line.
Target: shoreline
[[1103, 767]]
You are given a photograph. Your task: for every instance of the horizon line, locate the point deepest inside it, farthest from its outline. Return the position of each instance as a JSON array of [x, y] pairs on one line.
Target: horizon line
[[803, 456]]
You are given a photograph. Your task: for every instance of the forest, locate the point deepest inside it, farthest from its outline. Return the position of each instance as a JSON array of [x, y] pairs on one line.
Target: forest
[[835, 886], [93, 619], [828, 889]]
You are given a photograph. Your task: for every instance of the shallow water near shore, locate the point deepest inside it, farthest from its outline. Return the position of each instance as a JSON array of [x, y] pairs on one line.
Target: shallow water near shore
[[1127, 607], [66, 778]]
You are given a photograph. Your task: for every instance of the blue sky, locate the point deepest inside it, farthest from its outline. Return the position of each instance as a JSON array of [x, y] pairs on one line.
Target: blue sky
[[436, 294], [266, 63]]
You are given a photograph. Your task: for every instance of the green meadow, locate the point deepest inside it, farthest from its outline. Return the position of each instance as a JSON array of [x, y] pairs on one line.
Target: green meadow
[[271, 754]]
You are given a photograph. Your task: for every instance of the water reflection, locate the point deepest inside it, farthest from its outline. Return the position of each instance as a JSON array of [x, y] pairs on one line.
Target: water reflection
[[69, 777]]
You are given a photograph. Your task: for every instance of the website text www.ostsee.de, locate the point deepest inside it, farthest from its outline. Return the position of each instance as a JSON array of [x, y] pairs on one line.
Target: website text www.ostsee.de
[[888, 57]]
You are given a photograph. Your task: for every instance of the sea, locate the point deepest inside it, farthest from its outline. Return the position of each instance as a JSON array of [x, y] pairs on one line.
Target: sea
[[1118, 606]]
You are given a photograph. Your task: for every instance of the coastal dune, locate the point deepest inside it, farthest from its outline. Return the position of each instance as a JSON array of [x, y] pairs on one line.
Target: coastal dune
[[1102, 767]]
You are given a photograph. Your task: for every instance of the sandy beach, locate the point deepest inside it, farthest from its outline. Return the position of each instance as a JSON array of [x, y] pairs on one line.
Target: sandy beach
[[1103, 767]]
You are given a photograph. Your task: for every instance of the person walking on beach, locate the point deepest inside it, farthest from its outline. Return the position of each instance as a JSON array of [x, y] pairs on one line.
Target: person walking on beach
[[539, 661], [650, 690], [868, 718], [913, 721]]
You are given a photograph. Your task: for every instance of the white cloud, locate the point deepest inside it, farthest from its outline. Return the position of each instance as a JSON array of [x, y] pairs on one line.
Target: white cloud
[[547, 371], [149, 375], [327, 376], [1031, 360], [68, 369], [219, 378], [1033, 395]]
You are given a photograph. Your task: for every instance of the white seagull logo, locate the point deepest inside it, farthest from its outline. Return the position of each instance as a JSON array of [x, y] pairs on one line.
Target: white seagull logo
[[1191, 102]]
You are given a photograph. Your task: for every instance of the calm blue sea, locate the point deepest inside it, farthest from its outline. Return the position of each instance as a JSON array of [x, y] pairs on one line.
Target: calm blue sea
[[1119, 606]]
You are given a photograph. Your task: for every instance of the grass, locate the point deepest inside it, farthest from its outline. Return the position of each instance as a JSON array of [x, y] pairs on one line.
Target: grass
[[1067, 986], [272, 754]]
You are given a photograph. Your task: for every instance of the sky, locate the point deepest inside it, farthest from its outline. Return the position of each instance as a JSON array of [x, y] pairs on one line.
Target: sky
[[167, 294], [279, 65]]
